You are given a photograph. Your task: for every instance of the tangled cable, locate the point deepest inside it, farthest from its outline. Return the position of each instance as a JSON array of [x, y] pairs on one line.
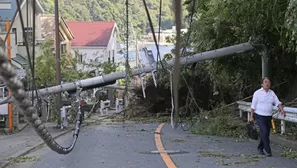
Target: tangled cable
[[21, 97]]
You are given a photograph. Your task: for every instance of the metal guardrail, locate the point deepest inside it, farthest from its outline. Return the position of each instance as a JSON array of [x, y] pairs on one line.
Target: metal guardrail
[[104, 106], [291, 113]]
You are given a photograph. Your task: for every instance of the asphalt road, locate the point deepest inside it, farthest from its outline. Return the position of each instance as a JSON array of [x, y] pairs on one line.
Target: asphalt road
[[115, 146]]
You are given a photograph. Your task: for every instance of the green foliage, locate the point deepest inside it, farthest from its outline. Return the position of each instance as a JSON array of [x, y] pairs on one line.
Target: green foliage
[[289, 153], [97, 10], [103, 67], [221, 122], [45, 67], [219, 24]]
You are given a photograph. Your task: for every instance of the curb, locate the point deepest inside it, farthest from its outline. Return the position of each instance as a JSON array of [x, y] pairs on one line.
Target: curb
[[23, 127], [283, 141], [29, 149]]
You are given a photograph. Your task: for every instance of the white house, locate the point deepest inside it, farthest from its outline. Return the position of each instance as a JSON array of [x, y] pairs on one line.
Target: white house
[[8, 13], [94, 42]]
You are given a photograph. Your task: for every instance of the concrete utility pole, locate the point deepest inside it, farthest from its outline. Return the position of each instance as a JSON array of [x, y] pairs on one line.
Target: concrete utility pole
[[108, 79], [58, 61]]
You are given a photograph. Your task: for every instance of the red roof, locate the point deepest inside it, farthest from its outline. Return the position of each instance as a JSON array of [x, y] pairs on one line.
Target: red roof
[[92, 33]]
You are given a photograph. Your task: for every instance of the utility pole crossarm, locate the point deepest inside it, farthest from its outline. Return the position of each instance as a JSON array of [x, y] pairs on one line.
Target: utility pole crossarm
[[109, 79]]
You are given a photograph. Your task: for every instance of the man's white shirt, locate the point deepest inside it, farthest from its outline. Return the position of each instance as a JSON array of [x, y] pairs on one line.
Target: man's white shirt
[[263, 101]]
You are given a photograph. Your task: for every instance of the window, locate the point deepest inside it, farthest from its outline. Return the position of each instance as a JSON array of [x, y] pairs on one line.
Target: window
[[109, 53], [2, 92], [5, 4], [80, 58], [29, 34], [14, 31], [108, 59], [63, 48], [2, 27], [112, 59]]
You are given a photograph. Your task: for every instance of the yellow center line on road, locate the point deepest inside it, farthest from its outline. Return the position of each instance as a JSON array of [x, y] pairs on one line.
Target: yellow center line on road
[[166, 158]]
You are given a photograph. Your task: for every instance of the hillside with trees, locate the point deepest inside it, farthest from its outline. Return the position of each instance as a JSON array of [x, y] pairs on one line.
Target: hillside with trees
[[97, 10]]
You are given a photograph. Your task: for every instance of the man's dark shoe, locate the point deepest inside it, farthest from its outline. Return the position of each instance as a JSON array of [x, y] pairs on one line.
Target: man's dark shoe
[[267, 154], [261, 152]]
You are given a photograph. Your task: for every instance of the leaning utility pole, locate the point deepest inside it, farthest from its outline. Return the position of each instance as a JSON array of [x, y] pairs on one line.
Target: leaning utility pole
[[108, 79], [58, 61]]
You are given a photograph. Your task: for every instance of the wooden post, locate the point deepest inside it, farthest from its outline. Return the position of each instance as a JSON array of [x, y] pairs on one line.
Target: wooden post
[[58, 59], [10, 118]]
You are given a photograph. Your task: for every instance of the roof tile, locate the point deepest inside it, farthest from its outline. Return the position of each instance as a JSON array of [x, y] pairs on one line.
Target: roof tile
[[91, 33]]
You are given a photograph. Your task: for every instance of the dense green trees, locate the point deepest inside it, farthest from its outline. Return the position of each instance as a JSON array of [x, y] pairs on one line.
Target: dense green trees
[[220, 24], [113, 10], [223, 23]]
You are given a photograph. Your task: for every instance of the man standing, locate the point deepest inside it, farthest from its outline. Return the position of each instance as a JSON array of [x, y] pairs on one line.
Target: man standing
[[262, 103]]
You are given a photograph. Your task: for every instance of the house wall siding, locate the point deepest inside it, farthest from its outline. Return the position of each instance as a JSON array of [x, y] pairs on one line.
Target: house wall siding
[[17, 23], [96, 54], [89, 55]]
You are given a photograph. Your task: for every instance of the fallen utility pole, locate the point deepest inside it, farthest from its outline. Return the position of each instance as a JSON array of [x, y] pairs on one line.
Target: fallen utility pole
[[111, 78]]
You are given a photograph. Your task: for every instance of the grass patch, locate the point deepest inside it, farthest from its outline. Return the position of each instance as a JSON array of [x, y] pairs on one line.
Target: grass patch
[[92, 122], [289, 153], [243, 159], [214, 155], [177, 140], [225, 122], [23, 159]]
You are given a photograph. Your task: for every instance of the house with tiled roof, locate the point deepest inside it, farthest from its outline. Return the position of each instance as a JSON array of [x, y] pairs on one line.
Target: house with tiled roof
[[94, 42], [47, 22]]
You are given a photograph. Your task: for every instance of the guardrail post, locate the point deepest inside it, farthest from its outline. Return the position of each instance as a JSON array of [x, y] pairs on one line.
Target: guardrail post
[[101, 107], [119, 104], [283, 127], [63, 115], [248, 116], [106, 105]]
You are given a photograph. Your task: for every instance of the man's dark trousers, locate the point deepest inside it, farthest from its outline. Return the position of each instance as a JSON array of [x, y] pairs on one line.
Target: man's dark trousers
[[264, 123]]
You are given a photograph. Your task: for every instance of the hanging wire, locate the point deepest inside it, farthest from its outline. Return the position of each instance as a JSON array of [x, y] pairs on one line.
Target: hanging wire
[[190, 92], [33, 48], [153, 32], [27, 47], [159, 33], [160, 21], [16, 87]]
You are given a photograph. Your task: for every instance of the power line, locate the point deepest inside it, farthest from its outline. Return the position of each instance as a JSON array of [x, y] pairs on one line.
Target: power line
[[26, 45], [33, 47], [159, 33], [194, 65], [153, 32]]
